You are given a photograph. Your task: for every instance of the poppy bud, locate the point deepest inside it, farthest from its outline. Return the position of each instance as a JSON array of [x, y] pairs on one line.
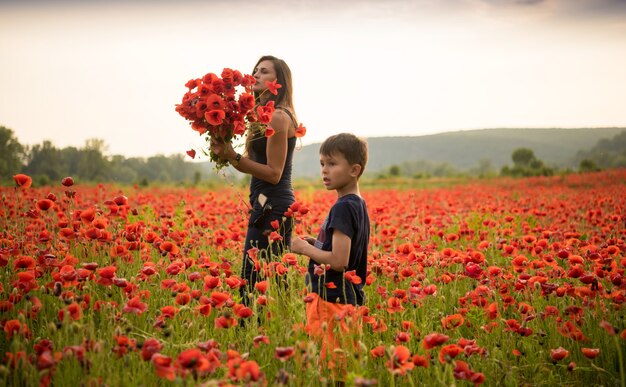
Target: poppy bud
[[58, 288]]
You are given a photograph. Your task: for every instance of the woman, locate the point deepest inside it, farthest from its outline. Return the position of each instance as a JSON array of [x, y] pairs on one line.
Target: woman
[[268, 160]]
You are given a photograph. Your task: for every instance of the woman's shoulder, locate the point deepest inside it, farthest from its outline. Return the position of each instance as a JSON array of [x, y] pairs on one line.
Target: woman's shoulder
[[283, 117]]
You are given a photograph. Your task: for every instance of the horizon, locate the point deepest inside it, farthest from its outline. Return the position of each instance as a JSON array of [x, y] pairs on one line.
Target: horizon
[[200, 160]]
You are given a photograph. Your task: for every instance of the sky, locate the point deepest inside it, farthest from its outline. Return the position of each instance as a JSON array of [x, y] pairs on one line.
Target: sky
[[114, 70]]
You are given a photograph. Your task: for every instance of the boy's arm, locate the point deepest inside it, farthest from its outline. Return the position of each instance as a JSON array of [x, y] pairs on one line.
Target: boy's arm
[[337, 258]]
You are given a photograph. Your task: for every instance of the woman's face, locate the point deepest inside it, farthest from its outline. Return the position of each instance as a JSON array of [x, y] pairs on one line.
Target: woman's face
[[264, 71]]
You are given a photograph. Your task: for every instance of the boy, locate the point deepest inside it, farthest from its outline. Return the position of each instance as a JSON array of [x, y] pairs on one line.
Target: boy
[[338, 258]]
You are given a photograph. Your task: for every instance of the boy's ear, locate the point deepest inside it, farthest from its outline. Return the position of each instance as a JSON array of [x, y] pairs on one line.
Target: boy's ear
[[355, 170]]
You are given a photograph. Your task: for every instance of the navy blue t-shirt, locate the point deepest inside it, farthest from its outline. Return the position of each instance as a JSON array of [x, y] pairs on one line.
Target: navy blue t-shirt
[[348, 215]]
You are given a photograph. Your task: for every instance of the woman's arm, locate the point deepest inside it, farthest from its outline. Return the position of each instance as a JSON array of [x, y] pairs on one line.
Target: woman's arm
[[338, 258], [276, 152]]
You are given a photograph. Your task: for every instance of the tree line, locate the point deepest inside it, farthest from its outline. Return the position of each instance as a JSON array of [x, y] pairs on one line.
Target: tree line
[[606, 154], [48, 164]]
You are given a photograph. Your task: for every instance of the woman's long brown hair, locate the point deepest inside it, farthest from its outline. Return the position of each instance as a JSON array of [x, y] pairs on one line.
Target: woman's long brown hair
[[284, 97]]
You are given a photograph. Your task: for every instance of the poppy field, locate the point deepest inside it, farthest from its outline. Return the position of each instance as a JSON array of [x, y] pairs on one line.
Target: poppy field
[[492, 282]]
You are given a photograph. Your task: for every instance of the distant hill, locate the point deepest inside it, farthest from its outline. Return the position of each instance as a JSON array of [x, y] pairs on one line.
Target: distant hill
[[464, 149]]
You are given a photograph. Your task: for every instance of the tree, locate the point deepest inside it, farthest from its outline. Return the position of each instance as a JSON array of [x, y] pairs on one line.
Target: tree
[[588, 165], [11, 153], [526, 164], [607, 153], [394, 170], [523, 157], [93, 164], [45, 163]]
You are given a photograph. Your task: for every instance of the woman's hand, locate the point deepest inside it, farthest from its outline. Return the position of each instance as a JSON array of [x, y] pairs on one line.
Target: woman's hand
[[222, 150]]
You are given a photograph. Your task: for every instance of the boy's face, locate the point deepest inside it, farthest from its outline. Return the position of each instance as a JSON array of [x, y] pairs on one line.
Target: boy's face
[[336, 172]]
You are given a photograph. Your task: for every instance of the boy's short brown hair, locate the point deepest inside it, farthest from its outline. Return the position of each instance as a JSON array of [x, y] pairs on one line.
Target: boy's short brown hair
[[353, 148]]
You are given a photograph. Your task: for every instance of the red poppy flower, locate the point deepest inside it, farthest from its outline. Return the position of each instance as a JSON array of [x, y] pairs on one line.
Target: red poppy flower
[[191, 153], [12, 327], [44, 204], [400, 361], [300, 131], [452, 321], [215, 117], [225, 322], [248, 80], [67, 181], [244, 371], [24, 262], [420, 361], [290, 259], [274, 236], [449, 352], [192, 359], [234, 282], [75, 311], [434, 340], [6, 306], [473, 270], [590, 353], [205, 307], [93, 233], [169, 311], [558, 354], [330, 285], [22, 180], [134, 305], [183, 298], [219, 299], [211, 282], [394, 305], [568, 329], [402, 337], [378, 351], [149, 348], [351, 276], [607, 327], [214, 102], [269, 131], [260, 339], [261, 286], [273, 86], [242, 311], [246, 101], [107, 272], [265, 113], [68, 274], [284, 353], [163, 366]]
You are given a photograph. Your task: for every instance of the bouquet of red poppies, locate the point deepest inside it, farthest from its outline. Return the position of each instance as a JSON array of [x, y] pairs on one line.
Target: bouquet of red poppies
[[224, 108]]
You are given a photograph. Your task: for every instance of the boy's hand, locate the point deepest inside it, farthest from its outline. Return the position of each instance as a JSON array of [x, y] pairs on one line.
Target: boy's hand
[[298, 245], [310, 240]]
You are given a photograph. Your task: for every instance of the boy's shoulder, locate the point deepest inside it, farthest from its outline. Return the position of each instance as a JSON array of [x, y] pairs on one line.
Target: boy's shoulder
[[349, 204], [351, 200]]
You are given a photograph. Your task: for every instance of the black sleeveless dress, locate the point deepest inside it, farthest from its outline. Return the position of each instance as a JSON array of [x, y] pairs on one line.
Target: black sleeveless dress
[[279, 197]]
